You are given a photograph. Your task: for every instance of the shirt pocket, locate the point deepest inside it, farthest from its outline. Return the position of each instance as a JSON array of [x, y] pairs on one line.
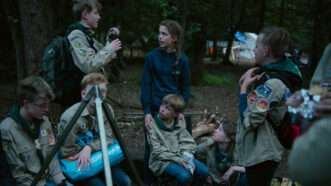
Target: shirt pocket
[[30, 158]]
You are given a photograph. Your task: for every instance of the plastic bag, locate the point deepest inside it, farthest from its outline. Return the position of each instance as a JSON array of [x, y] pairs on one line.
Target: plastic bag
[[70, 168]]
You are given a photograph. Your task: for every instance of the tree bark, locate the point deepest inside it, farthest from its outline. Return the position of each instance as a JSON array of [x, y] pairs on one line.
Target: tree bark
[[282, 13], [261, 15], [11, 12], [35, 19], [316, 31]]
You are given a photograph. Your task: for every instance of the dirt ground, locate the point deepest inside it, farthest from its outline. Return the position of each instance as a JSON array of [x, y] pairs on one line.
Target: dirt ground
[[124, 96]]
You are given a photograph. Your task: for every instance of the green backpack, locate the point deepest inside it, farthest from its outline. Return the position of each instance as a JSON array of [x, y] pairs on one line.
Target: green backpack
[[59, 70]]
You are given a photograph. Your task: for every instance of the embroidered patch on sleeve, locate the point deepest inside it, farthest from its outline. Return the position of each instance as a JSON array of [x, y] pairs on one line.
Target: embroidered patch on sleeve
[[263, 90], [43, 132], [262, 105]]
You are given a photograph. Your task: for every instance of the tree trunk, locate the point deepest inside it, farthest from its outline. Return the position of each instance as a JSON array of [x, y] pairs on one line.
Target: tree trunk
[[316, 31], [11, 12], [261, 15], [282, 13], [233, 30], [35, 19], [198, 52]]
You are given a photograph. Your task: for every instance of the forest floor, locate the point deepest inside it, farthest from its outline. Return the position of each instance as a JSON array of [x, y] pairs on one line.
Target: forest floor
[[221, 99]]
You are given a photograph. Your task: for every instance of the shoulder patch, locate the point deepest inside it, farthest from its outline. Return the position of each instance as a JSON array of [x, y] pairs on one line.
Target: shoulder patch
[[262, 105], [263, 90]]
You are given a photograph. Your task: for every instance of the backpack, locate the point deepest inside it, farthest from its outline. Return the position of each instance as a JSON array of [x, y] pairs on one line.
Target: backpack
[[287, 131], [59, 70]]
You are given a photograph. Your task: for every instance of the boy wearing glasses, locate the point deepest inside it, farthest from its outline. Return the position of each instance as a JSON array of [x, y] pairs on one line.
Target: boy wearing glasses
[[84, 138], [27, 136]]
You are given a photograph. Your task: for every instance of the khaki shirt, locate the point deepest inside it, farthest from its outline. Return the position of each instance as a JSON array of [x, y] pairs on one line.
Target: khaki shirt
[[256, 140], [84, 124], [169, 146], [309, 161], [21, 151], [84, 56]]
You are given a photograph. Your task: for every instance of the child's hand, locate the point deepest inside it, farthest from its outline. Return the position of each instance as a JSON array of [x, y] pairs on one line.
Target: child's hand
[[226, 176], [84, 157], [115, 45], [217, 136], [324, 106], [248, 72], [148, 121]]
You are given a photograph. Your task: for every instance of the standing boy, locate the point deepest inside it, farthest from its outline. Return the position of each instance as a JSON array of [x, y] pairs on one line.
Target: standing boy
[[88, 54]]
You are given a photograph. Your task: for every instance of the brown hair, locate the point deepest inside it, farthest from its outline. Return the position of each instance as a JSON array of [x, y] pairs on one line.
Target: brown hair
[[175, 101], [93, 78], [32, 87], [80, 5], [277, 39], [175, 30]]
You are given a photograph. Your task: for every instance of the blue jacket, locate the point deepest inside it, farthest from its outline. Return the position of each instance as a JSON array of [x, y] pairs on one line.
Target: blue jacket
[[162, 76]]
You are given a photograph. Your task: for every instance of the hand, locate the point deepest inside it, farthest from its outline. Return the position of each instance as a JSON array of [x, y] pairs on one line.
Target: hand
[[250, 78], [84, 157], [226, 176], [218, 136], [294, 100], [249, 71], [115, 45], [148, 121], [181, 116], [324, 106], [186, 165]]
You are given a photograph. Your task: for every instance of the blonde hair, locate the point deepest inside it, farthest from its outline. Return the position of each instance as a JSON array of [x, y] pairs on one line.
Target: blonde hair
[[175, 101], [80, 5], [93, 78], [33, 86]]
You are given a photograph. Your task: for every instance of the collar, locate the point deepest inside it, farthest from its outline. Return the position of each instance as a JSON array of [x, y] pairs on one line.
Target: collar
[[159, 122], [284, 64], [31, 128]]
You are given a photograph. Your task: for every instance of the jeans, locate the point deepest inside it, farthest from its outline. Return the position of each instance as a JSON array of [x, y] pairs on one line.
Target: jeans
[[184, 177], [119, 177]]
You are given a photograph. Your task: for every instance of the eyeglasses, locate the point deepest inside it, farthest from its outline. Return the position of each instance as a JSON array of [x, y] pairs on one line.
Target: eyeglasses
[[44, 105]]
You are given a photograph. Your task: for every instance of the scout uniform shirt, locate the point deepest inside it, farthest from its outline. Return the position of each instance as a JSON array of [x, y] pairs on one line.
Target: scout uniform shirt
[[168, 144], [88, 54], [256, 140], [85, 132], [25, 151]]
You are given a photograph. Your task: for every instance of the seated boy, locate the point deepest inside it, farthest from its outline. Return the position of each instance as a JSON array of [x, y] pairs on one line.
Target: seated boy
[[172, 146], [27, 136], [84, 136]]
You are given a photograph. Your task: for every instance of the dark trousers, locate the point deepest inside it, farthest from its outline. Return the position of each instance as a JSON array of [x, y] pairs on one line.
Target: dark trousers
[[261, 174]]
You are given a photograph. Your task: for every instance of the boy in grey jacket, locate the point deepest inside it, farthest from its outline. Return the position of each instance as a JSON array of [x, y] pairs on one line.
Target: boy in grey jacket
[[172, 147]]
